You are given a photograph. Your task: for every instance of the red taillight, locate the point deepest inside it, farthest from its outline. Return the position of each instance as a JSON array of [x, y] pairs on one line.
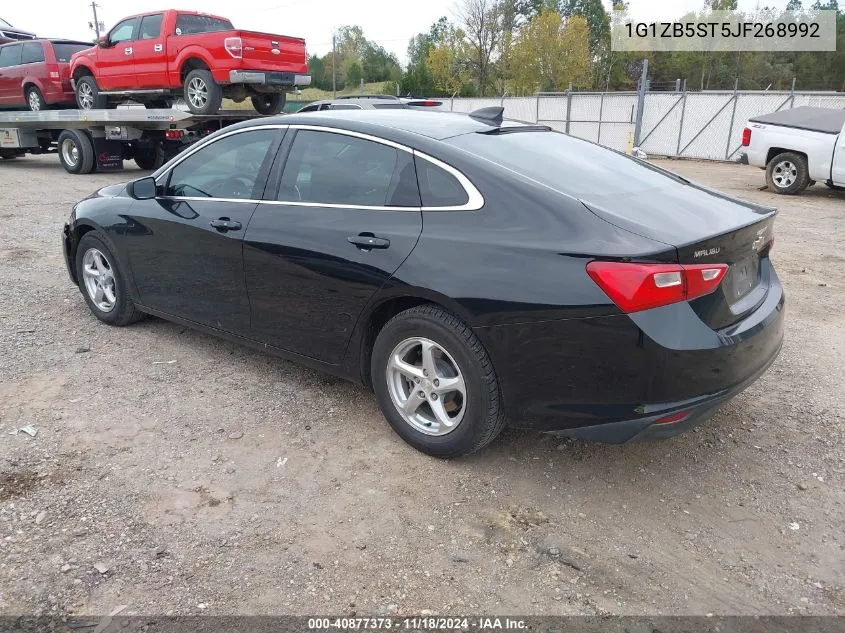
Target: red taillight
[[635, 287], [234, 46], [173, 135], [746, 137]]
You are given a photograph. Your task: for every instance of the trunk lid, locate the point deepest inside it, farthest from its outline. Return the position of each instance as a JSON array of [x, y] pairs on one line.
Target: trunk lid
[[705, 227], [265, 51]]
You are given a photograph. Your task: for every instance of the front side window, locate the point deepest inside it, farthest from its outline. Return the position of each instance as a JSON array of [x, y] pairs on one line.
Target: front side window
[[123, 32], [190, 24], [32, 53], [10, 55], [329, 168], [231, 168], [310, 108], [150, 26], [344, 106]]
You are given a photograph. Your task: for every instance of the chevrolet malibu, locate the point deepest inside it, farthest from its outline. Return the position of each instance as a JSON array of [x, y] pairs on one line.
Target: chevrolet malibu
[[472, 271]]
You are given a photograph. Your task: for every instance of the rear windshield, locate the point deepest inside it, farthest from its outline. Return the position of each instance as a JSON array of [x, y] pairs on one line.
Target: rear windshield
[[565, 163], [187, 24], [65, 51]]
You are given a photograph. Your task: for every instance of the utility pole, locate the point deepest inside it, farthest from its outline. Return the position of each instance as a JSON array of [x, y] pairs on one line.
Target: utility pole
[[334, 72], [96, 25]]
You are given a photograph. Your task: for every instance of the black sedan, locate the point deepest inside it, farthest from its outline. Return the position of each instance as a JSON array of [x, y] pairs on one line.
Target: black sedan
[[472, 271]]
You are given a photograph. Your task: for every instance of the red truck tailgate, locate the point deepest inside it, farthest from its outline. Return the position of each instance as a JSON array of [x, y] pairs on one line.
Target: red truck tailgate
[[264, 51]]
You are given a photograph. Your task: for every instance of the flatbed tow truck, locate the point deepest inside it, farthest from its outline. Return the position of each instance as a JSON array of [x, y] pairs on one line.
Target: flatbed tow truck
[[100, 140]]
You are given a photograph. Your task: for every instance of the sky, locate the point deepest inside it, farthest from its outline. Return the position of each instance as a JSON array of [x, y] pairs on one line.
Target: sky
[[391, 23]]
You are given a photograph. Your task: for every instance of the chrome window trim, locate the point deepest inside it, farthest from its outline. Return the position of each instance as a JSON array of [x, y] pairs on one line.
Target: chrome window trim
[[475, 200]]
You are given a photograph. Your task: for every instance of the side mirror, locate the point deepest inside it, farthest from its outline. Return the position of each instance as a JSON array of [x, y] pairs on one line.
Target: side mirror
[[142, 189], [103, 42]]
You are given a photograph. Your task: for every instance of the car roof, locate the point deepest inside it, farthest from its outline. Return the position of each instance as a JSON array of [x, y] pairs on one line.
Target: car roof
[[433, 124]]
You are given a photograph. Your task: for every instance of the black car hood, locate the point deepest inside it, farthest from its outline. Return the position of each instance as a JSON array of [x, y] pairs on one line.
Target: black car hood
[[112, 191], [678, 214]]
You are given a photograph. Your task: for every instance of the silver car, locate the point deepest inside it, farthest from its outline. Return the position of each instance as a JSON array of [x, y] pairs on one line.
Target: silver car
[[368, 102]]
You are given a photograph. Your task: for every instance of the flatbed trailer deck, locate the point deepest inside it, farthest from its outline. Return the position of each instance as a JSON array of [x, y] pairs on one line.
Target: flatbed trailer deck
[[100, 140]]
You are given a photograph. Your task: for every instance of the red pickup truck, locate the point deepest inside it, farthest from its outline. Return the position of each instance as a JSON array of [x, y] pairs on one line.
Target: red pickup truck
[[156, 56]]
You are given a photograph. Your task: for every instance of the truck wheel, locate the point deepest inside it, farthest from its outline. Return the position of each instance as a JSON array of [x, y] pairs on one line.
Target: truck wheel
[[788, 173], [150, 158], [270, 103], [202, 94], [35, 100], [88, 95], [76, 152]]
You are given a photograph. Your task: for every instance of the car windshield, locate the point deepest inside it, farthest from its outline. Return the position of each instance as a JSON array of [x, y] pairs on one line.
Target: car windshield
[[4, 23], [65, 51], [565, 163]]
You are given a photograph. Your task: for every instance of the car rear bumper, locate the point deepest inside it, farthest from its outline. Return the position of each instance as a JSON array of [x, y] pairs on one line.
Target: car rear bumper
[[268, 78], [613, 378]]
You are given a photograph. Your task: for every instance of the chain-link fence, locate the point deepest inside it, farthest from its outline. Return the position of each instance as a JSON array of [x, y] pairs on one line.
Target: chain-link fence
[[704, 125]]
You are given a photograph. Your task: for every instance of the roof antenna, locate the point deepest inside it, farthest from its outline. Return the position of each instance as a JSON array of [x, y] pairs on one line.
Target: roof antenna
[[491, 115]]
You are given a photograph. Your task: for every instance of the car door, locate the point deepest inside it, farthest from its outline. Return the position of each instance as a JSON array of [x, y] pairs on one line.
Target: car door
[[10, 66], [149, 53], [185, 247], [116, 62], [344, 216]]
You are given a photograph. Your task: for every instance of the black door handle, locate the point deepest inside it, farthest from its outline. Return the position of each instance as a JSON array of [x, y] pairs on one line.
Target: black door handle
[[225, 224], [367, 241]]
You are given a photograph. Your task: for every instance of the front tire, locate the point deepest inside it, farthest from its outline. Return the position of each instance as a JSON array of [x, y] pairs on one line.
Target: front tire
[[102, 283], [202, 94], [788, 173], [88, 95], [269, 104], [435, 383], [35, 100]]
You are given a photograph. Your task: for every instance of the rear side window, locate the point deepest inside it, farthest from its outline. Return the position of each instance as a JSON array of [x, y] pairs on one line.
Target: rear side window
[[187, 24], [150, 27], [65, 51], [309, 108], [10, 55], [329, 168], [344, 106], [439, 188], [32, 53]]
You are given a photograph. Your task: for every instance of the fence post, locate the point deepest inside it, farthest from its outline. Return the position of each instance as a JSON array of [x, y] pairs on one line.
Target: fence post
[[792, 94], [681, 124], [641, 90], [568, 106], [678, 84], [733, 116], [537, 111], [601, 111]]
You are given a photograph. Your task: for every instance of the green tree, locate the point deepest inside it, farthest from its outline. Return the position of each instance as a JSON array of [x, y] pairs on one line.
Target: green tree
[[481, 22], [354, 74]]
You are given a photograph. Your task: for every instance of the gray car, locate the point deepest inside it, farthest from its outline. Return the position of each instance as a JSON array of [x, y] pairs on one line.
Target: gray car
[[368, 102]]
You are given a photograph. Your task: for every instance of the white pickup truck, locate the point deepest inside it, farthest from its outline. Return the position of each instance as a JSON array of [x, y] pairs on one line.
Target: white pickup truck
[[797, 148]]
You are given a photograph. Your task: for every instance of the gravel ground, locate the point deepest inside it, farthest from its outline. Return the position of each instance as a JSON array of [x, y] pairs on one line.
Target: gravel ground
[[232, 482]]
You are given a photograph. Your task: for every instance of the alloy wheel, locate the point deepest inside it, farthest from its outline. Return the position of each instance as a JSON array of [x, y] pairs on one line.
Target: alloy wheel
[[785, 174], [426, 386], [34, 101], [98, 275], [86, 96], [198, 93]]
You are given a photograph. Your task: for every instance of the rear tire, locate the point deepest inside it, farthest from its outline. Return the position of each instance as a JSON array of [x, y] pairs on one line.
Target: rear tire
[[109, 301], [202, 94], [788, 173], [473, 415], [35, 100], [269, 104], [150, 158], [88, 95], [76, 152]]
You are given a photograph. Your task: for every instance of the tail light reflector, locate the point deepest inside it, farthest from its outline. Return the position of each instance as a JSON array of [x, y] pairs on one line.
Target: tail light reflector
[[674, 417], [635, 287], [173, 135], [234, 46], [746, 137]]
